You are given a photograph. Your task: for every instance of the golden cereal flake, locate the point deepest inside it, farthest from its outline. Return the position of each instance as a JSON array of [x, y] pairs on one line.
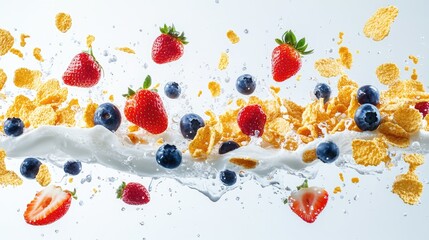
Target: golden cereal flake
[[2, 163], [276, 90], [23, 37], [378, 26], [66, 116], [427, 122], [63, 21], [3, 78], [202, 145], [409, 119], [340, 37], [346, 57], [50, 92], [408, 187], [199, 93], [126, 50], [37, 53], [337, 190], [355, 180], [88, 114], [160, 141], [309, 155], [414, 59], [135, 139], [17, 52], [341, 175], [369, 152], [10, 178], [26, 78], [6, 41], [247, 163], [394, 134], [214, 88], [223, 61], [133, 128], [89, 40], [414, 159], [111, 98], [414, 76], [43, 115], [43, 177], [328, 67], [346, 82], [387, 73], [275, 131], [233, 37], [22, 108]]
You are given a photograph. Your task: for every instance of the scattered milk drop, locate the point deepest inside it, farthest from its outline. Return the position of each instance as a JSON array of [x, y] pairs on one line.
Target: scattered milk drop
[[123, 209]]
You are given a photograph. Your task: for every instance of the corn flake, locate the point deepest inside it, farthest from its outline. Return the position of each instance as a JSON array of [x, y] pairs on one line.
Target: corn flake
[[340, 37], [6, 41], [202, 144], [378, 26], [2, 163], [126, 50], [135, 139], [232, 36], [26, 78], [409, 119], [394, 134], [50, 92], [89, 40], [63, 21], [427, 122], [214, 88], [37, 53], [43, 177], [21, 108], [328, 67], [387, 73], [133, 128], [309, 155], [23, 37], [355, 180], [275, 131], [346, 57], [247, 163], [17, 52], [43, 115], [337, 190], [414, 59], [7, 177], [408, 187], [414, 160], [369, 152], [414, 76], [3, 78], [88, 114], [224, 61], [66, 116]]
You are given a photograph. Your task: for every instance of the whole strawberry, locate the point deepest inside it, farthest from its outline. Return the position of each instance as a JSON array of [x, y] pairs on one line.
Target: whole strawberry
[[286, 58], [83, 70], [168, 46], [145, 109], [251, 120], [133, 193]]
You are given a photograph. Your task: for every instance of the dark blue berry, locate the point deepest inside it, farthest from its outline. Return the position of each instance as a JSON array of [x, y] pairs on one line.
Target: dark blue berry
[[30, 167], [189, 125], [73, 167], [368, 94], [13, 127], [322, 90], [367, 117], [108, 115], [327, 152], [245, 84], [228, 146], [228, 177], [169, 156], [172, 90]]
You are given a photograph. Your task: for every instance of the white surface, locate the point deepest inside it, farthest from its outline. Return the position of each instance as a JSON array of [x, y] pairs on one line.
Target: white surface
[[250, 212]]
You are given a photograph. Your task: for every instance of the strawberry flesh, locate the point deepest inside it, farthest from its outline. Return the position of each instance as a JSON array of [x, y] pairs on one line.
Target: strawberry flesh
[[285, 61], [83, 71], [307, 203]]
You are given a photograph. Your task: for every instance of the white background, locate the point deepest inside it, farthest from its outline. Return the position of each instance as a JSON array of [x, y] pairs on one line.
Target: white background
[[367, 210]]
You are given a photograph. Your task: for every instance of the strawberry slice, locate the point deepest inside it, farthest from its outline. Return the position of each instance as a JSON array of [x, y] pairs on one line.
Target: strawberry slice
[[308, 202], [48, 206]]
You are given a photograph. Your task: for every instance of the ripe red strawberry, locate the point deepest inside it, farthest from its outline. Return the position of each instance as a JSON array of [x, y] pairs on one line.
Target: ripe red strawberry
[[286, 58], [83, 71], [168, 46], [133, 193], [308, 202], [48, 206], [423, 107], [145, 109], [251, 120]]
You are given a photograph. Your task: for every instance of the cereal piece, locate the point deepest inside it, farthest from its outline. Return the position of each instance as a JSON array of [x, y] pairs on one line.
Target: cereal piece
[[340, 37], [6, 41], [232, 36], [328, 67], [214, 88], [67, 116], [63, 22], [414, 59], [111, 98], [394, 134], [406, 68], [43, 115], [199, 93], [10, 178], [160, 141], [337, 190], [17, 52], [275, 131], [427, 122], [88, 114], [409, 119], [23, 37], [309, 155], [378, 26], [89, 40], [126, 50], [22, 108], [43, 177], [341, 177], [50, 92], [369, 152], [346, 57], [276, 90], [70, 180], [202, 145], [414, 76], [133, 128], [3, 78], [387, 73], [355, 180], [135, 139], [26, 78], [414, 159], [37, 53], [353, 106], [346, 82], [247, 163], [2, 163], [408, 187], [224, 61]]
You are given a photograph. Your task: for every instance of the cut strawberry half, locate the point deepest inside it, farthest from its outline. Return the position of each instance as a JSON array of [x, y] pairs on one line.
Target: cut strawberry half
[[48, 206]]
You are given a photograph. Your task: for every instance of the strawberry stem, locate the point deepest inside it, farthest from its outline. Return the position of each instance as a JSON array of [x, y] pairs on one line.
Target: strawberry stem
[[290, 38], [303, 185], [120, 190], [73, 194], [171, 30]]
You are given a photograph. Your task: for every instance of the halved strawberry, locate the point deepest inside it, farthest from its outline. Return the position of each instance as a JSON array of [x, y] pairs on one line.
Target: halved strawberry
[[308, 202], [48, 206]]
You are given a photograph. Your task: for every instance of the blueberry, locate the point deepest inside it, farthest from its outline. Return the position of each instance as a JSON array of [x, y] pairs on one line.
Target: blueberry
[[228, 146], [72, 167], [172, 90], [245, 84], [228, 177], [189, 125], [322, 90], [30, 167], [169, 156], [13, 127], [327, 152], [108, 115], [367, 117], [368, 94]]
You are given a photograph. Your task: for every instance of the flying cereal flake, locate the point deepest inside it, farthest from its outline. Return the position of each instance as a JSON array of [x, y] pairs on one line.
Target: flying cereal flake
[[409, 119], [3, 78], [199, 93], [43, 177], [7, 177], [309, 155], [6, 41], [88, 114], [63, 22], [340, 37], [387, 73], [408, 187], [26, 78], [414, 59], [135, 139], [66, 116], [214, 88], [276, 90], [43, 115], [369, 152], [22, 108], [341, 175], [232, 36], [328, 67], [355, 180], [346, 57], [414, 76], [133, 128], [38, 55], [223, 62], [2, 163], [89, 40], [247, 163], [126, 50], [337, 190], [414, 159], [202, 145], [427, 122], [17, 52], [394, 134], [23, 37], [378, 26], [50, 92]]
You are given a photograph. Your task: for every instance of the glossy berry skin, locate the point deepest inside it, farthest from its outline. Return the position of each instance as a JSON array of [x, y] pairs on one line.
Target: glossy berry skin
[[108, 116], [169, 156], [83, 71], [228, 146], [133, 193], [245, 84], [327, 152], [30, 167], [228, 177], [423, 107], [13, 127], [322, 90], [367, 117], [368, 94], [251, 120], [73, 167], [189, 125], [166, 49], [172, 90], [285, 62]]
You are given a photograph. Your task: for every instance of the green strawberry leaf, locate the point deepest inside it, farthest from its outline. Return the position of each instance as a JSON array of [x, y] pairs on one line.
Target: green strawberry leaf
[[280, 42], [147, 82], [289, 38], [300, 43], [120, 190], [171, 30], [303, 185], [130, 93]]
